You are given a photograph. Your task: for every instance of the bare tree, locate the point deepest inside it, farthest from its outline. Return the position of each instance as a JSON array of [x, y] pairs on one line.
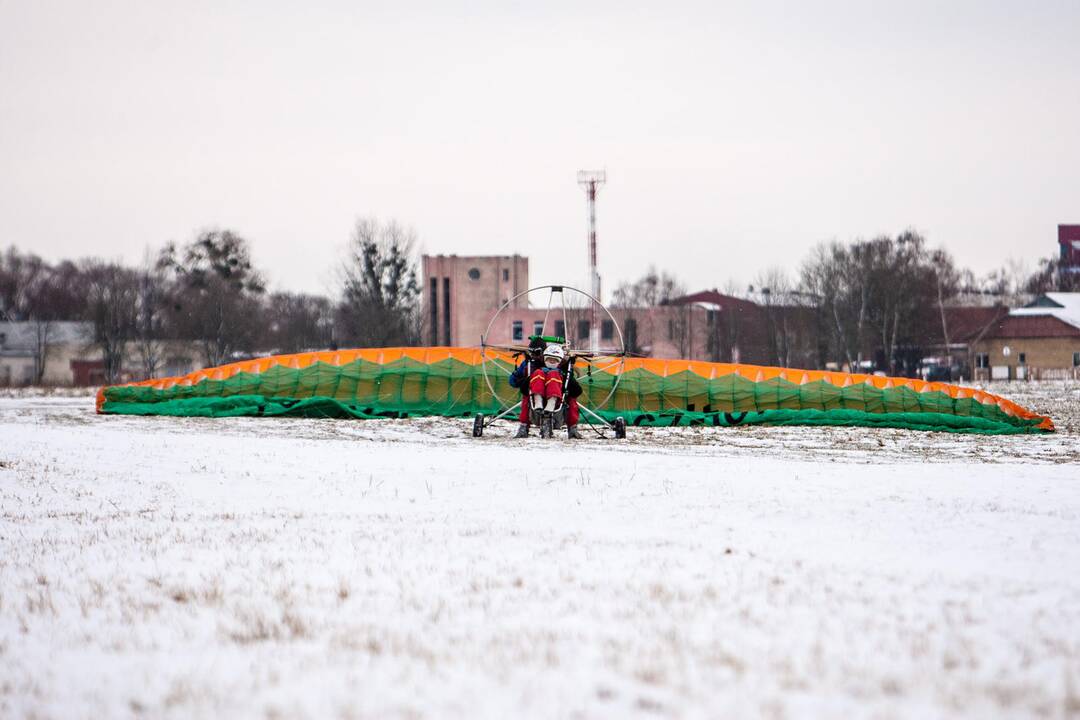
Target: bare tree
[[1052, 276], [40, 294], [948, 281], [380, 292], [726, 325], [653, 289], [216, 291], [838, 278], [776, 292], [20, 275], [112, 304], [897, 272], [299, 323], [888, 285], [24, 284], [152, 305]]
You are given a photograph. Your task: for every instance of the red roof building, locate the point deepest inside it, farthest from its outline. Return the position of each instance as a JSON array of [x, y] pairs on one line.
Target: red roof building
[[742, 331], [1040, 341], [1032, 326], [1069, 240]]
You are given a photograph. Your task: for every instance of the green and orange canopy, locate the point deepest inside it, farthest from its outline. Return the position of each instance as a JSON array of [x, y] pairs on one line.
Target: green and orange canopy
[[449, 381]]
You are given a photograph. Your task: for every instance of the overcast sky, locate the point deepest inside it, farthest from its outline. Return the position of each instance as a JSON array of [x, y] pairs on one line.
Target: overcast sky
[[735, 135]]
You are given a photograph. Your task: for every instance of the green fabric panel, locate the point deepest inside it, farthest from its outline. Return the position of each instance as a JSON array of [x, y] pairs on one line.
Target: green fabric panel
[[853, 418], [243, 384], [672, 391], [696, 392], [452, 388], [786, 394], [744, 393], [893, 400], [327, 407]]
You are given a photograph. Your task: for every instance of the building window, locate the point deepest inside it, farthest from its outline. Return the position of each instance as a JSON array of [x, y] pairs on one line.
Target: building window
[[446, 311], [1076, 359], [1022, 359], [538, 327], [631, 334], [583, 329], [433, 300], [474, 273], [982, 360], [560, 328], [519, 330], [607, 329], [506, 275]]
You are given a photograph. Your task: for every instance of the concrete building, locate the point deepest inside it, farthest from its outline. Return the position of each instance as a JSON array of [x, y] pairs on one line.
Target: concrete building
[[462, 292], [60, 346], [1039, 341]]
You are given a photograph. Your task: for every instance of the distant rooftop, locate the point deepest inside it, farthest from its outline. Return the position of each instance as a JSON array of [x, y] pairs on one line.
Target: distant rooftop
[[967, 324], [1032, 326], [23, 335], [1063, 306], [716, 298]]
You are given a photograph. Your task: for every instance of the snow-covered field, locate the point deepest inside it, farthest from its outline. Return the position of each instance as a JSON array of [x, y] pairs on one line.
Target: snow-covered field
[[154, 567]]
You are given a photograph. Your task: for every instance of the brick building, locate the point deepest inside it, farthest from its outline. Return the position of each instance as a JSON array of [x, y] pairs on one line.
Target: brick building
[[777, 332], [1069, 243], [462, 292], [952, 357], [1040, 341]]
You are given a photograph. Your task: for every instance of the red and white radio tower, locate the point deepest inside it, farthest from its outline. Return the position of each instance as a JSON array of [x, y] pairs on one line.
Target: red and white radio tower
[[591, 180]]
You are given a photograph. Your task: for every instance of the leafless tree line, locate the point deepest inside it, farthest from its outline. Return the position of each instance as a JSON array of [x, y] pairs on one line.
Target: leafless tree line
[[878, 294], [653, 289], [210, 293], [873, 303], [859, 304]]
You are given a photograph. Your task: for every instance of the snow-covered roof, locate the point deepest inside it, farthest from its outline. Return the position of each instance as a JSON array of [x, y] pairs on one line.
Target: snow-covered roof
[[1032, 326], [1063, 306], [23, 335]]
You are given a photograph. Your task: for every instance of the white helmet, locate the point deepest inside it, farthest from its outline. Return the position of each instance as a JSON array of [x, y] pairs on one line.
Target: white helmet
[[554, 351]]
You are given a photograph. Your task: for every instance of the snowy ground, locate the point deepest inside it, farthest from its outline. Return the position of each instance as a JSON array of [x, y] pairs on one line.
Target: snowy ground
[[154, 567]]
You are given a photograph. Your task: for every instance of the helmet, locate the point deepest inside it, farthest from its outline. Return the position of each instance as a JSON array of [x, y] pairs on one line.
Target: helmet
[[554, 351]]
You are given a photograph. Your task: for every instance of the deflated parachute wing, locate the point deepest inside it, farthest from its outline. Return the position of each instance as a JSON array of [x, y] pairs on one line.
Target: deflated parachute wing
[[448, 381]]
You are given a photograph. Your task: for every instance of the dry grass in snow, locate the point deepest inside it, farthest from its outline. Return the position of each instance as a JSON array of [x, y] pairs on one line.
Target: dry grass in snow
[[400, 569]]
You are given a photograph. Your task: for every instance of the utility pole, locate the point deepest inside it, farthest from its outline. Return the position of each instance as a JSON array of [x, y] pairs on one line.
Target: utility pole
[[591, 180]]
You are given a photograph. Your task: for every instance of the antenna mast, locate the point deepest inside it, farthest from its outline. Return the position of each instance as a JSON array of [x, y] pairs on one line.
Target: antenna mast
[[591, 180]]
